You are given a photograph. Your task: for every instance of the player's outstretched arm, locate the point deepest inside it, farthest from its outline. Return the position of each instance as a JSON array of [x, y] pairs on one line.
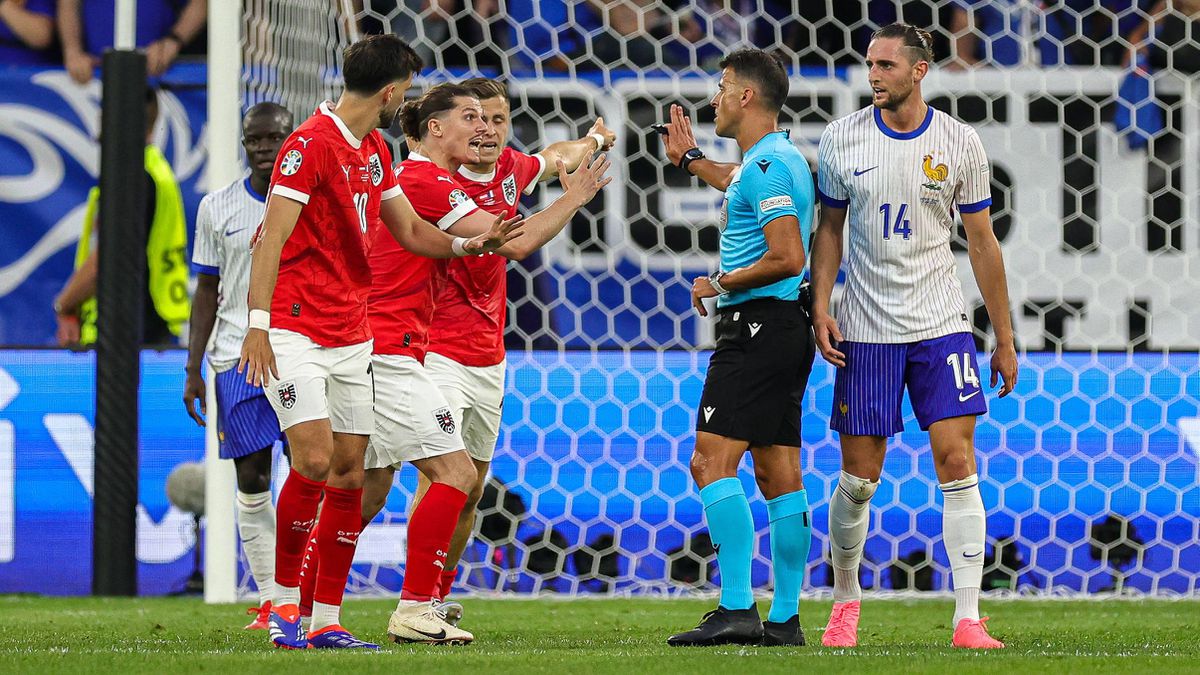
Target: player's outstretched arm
[[579, 187], [826, 259], [987, 264], [784, 258], [679, 139], [200, 327], [258, 360], [572, 154], [425, 239]]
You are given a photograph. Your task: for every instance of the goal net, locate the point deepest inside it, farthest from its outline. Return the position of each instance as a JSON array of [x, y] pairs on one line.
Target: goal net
[[1089, 471]]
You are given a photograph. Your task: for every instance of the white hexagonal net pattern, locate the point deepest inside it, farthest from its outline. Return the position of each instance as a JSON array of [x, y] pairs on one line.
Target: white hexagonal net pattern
[[1089, 472]]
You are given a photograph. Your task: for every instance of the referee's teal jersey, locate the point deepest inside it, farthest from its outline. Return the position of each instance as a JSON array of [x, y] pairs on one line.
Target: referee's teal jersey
[[773, 181]]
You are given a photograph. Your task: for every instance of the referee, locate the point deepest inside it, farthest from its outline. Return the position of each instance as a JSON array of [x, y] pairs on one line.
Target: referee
[[757, 375]]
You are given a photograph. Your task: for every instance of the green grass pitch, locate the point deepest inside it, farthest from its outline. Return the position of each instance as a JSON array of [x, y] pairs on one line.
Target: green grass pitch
[[183, 636]]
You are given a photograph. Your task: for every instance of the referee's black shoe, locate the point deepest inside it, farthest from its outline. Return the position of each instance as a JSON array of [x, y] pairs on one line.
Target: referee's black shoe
[[786, 634], [723, 627]]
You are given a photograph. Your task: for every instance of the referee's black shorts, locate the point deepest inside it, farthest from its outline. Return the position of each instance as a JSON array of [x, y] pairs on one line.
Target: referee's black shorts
[[758, 373]]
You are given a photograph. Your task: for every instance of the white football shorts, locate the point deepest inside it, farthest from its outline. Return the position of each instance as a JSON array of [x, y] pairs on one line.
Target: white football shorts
[[318, 382], [412, 418], [476, 397]]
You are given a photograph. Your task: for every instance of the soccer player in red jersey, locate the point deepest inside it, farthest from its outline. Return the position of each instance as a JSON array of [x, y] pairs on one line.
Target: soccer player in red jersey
[[414, 422], [466, 335], [309, 282]]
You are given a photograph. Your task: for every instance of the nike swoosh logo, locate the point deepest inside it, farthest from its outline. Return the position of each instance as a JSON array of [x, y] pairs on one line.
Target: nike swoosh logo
[[440, 635], [230, 234], [859, 173], [962, 398], [977, 554]]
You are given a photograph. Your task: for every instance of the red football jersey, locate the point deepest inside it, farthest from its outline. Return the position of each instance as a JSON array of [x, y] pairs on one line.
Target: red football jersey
[[468, 315], [402, 290], [324, 277]]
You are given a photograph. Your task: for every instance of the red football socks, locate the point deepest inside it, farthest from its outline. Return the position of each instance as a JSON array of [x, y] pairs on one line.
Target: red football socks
[[429, 533], [294, 515], [337, 537], [446, 582], [308, 572]]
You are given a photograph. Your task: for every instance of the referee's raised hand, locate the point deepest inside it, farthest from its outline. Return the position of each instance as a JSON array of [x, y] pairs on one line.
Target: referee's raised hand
[[679, 137]]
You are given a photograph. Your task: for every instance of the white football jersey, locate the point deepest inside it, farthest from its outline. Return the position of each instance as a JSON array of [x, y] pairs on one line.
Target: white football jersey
[[901, 190], [225, 223]]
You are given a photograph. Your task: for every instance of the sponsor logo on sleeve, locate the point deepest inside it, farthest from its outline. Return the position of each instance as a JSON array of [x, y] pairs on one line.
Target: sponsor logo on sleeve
[[781, 202], [291, 162], [458, 198]]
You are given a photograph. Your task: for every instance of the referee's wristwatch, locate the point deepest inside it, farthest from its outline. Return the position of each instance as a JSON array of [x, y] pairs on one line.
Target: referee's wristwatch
[[689, 157], [714, 280]]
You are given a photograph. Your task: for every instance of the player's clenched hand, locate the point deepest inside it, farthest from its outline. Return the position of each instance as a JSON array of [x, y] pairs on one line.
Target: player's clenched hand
[[702, 288], [679, 137], [502, 232], [586, 180], [825, 327], [609, 135], [1004, 364], [258, 359], [194, 390]]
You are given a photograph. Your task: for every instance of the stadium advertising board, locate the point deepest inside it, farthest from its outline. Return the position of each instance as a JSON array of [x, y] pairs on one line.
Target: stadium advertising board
[[594, 451]]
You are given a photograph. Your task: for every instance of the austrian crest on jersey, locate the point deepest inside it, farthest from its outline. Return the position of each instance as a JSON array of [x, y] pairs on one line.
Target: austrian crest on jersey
[[376, 169], [510, 189]]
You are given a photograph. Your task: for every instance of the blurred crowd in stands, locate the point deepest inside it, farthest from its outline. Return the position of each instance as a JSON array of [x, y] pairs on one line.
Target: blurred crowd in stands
[[561, 35], [657, 34], [76, 33]]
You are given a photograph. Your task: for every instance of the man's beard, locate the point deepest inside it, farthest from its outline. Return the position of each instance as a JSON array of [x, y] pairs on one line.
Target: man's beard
[[386, 120], [894, 100]]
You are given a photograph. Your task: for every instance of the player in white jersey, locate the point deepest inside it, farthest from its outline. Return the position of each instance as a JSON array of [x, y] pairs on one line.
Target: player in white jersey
[[901, 169], [246, 425]]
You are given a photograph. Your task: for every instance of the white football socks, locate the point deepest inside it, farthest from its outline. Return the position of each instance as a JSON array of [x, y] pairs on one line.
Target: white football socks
[[963, 533], [325, 615], [849, 517], [256, 527], [286, 595]]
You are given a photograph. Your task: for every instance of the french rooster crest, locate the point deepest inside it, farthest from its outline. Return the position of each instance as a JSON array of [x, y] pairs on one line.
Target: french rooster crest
[[937, 173]]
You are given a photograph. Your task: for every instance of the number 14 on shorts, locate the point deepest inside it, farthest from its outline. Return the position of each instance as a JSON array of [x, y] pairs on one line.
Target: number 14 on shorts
[[964, 373]]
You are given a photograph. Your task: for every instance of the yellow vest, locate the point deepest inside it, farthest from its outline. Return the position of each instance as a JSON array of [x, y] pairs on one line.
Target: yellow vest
[[166, 250]]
